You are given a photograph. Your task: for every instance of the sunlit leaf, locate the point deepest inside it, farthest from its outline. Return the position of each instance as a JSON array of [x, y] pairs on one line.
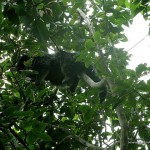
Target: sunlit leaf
[[89, 44]]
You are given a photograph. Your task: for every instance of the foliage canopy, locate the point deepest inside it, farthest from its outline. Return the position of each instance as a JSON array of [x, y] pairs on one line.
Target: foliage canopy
[[44, 117]]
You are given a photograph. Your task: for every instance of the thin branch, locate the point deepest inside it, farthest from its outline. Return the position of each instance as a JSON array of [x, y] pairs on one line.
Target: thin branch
[[18, 138], [69, 137], [91, 29], [79, 139], [84, 142], [89, 24], [124, 128], [7, 134]]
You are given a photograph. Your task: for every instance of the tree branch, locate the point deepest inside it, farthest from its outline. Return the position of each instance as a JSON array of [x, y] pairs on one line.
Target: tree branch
[[79, 139], [88, 22], [122, 120], [124, 128], [91, 29], [119, 109], [18, 138]]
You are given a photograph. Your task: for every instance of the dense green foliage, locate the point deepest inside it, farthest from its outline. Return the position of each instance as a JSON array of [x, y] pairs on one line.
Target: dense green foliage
[[48, 117]]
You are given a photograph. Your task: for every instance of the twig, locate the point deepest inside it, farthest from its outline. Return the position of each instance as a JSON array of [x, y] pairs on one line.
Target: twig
[[7, 134], [92, 31], [18, 138], [79, 139]]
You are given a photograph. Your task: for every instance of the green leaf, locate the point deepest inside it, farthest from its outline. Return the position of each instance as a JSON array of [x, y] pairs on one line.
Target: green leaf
[[87, 112], [121, 2], [89, 44], [45, 137], [68, 112], [139, 9], [140, 69], [10, 110], [144, 131], [38, 126], [55, 10], [88, 116], [97, 36], [1, 14], [27, 20], [84, 108], [26, 125], [40, 31], [5, 65], [24, 113], [10, 13], [32, 137]]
